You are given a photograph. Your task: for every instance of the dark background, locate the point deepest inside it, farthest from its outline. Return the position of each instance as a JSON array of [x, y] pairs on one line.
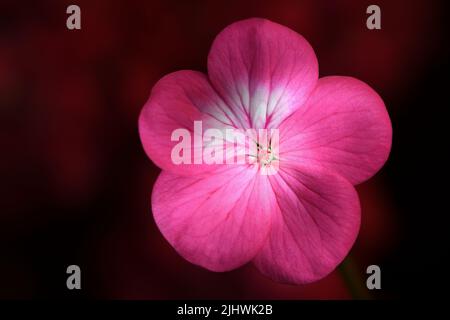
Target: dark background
[[76, 184]]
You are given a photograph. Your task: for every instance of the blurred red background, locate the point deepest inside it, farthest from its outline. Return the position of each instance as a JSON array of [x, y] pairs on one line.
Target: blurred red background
[[76, 183]]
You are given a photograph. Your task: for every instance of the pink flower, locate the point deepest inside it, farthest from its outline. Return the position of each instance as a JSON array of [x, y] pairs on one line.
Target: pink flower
[[295, 225]]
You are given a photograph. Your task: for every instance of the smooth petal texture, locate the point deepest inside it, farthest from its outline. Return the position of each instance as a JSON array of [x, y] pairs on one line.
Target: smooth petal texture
[[264, 71], [176, 101], [343, 126], [315, 224], [216, 221]]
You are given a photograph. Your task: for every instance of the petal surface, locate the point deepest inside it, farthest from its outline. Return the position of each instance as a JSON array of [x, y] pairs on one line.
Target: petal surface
[[176, 102], [343, 126], [216, 221], [263, 71], [315, 225]]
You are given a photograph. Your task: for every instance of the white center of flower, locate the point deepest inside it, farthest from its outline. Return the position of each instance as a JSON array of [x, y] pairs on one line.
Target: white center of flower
[[265, 155]]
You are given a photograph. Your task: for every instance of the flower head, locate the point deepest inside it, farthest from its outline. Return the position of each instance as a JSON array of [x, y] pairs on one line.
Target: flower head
[[297, 221]]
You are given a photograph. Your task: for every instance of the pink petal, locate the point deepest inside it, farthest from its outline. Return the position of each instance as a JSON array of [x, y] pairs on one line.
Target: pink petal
[[216, 221], [315, 225], [343, 126], [263, 70], [176, 101]]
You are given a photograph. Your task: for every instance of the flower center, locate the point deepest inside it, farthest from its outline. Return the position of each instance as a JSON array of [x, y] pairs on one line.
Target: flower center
[[265, 155]]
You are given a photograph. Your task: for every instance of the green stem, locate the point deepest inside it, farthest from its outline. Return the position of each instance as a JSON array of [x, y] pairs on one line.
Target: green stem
[[355, 283]]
